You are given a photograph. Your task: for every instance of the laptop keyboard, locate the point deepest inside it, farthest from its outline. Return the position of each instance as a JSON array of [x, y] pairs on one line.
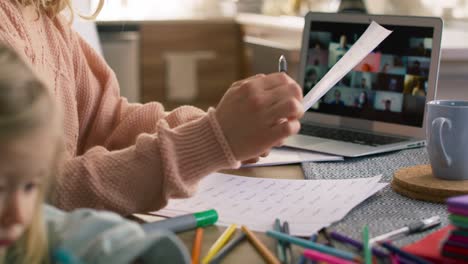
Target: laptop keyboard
[[348, 135]]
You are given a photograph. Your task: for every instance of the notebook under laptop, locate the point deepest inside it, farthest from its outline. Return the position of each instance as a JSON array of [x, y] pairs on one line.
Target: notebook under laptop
[[380, 105]]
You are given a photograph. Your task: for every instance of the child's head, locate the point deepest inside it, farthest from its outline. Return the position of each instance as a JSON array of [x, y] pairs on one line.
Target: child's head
[[30, 140], [54, 7]]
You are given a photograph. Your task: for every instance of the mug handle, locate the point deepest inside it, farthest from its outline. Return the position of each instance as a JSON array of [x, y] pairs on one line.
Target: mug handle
[[437, 131]]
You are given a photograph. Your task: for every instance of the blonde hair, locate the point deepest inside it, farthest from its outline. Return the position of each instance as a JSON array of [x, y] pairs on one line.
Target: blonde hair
[[54, 7], [27, 106]]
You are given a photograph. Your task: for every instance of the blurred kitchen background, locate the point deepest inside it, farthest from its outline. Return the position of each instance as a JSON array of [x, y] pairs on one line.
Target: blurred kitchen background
[[190, 51]]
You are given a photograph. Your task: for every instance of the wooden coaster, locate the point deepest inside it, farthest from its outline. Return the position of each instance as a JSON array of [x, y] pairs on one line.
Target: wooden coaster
[[418, 183]]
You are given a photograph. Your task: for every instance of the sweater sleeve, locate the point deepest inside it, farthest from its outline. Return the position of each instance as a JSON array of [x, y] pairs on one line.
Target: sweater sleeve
[[134, 157]]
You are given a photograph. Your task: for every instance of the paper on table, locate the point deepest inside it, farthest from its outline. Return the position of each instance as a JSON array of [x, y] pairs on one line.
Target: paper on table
[[371, 38], [307, 204], [279, 156]]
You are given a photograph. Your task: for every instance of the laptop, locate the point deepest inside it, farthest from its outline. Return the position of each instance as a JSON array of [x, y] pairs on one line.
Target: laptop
[[380, 105]]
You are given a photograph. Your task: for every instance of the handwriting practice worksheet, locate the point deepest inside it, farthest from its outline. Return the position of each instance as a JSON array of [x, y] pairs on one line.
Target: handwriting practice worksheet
[[256, 202]]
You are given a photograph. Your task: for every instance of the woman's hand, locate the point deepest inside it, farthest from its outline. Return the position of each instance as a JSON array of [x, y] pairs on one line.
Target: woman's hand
[[258, 113]]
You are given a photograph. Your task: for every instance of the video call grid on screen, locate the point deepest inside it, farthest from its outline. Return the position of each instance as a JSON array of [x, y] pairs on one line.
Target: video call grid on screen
[[389, 85]]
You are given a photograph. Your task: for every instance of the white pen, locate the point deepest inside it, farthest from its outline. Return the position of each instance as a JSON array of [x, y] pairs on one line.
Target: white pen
[[282, 64], [410, 229]]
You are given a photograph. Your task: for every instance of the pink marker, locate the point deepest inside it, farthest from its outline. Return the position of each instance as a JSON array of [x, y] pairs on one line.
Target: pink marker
[[315, 255]]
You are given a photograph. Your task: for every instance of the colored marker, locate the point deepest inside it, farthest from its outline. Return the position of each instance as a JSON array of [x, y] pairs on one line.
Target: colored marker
[[311, 245], [197, 246], [184, 222], [318, 256], [220, 242], [228, 248], [412, 228], [261, 248]]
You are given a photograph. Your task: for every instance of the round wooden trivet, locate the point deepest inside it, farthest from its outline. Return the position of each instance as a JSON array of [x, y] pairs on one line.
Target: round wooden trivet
[[417, 182]]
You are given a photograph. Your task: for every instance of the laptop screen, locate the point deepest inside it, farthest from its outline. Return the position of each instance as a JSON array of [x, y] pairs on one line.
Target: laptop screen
[[389, 85]]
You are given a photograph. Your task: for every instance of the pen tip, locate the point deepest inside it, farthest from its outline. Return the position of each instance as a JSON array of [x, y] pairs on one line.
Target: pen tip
[[282, 58]]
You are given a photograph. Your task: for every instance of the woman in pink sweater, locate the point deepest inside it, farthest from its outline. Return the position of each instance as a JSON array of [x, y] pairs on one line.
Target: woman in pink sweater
[[132, 157]]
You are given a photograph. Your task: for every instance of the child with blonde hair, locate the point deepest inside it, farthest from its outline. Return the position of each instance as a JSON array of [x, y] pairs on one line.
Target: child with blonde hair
[[31, 144]]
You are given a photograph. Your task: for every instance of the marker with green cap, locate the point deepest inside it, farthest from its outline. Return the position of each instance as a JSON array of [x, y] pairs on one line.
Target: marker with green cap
[[184, 222]]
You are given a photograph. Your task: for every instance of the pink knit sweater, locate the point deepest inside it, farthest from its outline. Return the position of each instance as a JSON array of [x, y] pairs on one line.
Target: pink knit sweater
[[120, 156]]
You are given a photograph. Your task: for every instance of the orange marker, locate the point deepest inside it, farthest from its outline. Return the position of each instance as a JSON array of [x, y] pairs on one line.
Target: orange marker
[[261, 248], [197, 246]]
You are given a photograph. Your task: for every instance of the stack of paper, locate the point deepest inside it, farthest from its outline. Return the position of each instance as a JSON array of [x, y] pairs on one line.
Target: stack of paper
[[308, 205], [281, 156]]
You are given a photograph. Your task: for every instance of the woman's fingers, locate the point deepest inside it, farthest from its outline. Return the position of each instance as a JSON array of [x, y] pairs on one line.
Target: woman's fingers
[[272, 81], [284, 130], [287, 109], [289, 90], [241, 82]]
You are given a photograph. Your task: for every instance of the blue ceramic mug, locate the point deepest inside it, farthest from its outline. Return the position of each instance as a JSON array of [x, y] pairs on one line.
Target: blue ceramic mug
[[447, 138]]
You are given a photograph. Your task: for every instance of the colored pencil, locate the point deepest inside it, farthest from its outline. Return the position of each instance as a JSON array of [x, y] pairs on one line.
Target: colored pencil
[[356, 244], [287, 245], [403, 254], [311, 245], [197, 246], [220, 242], [261, 248], [318, 256], [280, 247], [302, 259], [366, 246], [228, 248]]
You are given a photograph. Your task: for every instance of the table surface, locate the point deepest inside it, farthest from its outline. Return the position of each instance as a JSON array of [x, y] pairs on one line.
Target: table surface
[[383, 212]]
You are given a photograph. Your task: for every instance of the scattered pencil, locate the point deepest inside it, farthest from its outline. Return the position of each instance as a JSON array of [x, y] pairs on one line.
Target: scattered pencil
[[220, 242], [366, 246], [262, 249], [197, 246], [228, 248], [311, 245]]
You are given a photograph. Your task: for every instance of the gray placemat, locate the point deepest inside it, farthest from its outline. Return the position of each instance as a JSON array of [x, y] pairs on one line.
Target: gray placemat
[[386, 210]]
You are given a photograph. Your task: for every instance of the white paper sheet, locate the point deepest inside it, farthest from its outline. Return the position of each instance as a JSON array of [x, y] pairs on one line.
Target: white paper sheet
[[308, 205], [281, 156], [371, 38]]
